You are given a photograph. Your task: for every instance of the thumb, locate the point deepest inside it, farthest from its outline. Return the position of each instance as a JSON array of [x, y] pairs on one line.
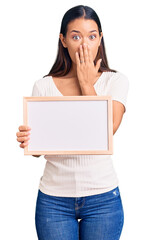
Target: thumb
[[98, 64]]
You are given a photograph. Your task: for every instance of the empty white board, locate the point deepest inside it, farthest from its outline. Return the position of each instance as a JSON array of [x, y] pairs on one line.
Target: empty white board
[[69, 125]]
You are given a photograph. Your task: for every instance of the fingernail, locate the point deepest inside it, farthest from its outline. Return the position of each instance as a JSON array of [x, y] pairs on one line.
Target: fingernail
[[100, 60]]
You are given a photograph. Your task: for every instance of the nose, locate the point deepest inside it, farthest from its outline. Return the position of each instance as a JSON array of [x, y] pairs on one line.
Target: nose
[[84, 41]]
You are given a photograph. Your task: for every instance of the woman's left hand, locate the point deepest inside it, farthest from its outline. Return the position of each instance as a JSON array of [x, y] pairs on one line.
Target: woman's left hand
[[86, 70]]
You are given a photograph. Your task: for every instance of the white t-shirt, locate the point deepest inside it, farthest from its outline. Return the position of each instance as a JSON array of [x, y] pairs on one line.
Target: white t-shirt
[[81, 175]]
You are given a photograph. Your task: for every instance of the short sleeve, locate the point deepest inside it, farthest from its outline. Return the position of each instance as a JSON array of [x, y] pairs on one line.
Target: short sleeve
[[118, 88], [35, 90]]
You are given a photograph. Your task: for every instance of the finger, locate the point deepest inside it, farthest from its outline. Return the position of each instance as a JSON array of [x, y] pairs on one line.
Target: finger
[[85, 52], [23, 139], [98, 64], [77, 59], [22, 134], [24, 128], [90, 54], [81, 54], [22, 145]]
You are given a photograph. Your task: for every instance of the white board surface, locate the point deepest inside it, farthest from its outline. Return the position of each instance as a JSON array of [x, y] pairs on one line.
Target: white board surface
[[68, 125]]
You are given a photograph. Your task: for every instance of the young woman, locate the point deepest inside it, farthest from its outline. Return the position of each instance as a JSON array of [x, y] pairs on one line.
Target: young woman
[[81, 187]]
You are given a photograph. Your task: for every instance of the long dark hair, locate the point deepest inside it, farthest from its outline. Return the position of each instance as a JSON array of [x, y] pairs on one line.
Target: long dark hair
[[63, 62]]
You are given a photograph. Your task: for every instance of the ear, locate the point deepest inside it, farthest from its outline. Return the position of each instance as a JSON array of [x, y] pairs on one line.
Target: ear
[[62, 38], [100, 38]]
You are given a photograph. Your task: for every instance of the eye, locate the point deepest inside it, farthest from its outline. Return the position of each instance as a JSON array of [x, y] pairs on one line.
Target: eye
[[74, 37], [77, 37], [93, 36]]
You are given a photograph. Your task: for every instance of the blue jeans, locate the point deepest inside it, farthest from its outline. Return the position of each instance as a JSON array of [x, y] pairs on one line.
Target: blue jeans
[[101, 217]]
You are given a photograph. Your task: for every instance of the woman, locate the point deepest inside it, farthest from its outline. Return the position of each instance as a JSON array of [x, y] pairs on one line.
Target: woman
[[81, 187]]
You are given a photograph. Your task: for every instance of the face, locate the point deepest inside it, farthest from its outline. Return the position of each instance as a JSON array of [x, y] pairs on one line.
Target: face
[[81, 31]]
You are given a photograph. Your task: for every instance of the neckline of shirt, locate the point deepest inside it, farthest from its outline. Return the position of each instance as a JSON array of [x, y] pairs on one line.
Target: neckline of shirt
[[99, 79]]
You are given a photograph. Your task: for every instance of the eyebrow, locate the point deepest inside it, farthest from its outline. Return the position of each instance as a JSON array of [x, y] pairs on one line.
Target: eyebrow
[[79, 31]]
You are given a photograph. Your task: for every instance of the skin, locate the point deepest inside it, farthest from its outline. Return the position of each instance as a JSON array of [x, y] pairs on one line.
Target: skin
[[82, 46]]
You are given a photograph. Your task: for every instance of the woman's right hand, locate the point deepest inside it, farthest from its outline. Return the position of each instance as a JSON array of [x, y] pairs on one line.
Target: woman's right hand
[[23, 135]]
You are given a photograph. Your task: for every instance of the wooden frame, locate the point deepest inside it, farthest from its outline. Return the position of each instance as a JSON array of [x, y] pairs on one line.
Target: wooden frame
[[69, 125]]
